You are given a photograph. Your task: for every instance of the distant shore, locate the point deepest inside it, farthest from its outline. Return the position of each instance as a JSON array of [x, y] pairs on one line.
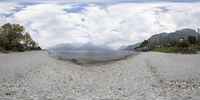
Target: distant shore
[[35, 74], [94, 62]]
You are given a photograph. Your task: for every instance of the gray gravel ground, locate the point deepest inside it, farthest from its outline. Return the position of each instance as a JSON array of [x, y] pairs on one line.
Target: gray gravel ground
[[146, 75]]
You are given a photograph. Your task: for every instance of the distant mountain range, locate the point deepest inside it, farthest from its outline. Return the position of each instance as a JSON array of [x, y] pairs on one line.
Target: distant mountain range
[[132, 47], [154, 39], [167, 37], [173, 36], [64, 46], [122, 47], [75, 46]]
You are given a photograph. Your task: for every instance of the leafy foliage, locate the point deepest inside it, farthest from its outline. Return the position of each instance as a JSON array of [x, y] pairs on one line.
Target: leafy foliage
[[3, 50], [144, 43], [14, 38], [192, 39], [189, 46], [183, 44], [198, 40], [189, 50], [184, 47]]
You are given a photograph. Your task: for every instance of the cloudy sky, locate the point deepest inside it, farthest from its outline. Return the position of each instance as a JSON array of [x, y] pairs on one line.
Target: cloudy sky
[[103, 22]]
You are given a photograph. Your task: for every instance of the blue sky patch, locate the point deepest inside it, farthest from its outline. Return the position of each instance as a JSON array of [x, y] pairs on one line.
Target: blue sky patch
[[164, 9], [12, 12], [76, 8], [98, 1]]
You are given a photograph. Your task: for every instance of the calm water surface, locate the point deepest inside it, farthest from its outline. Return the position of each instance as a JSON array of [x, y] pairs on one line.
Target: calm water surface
[[86, 56]]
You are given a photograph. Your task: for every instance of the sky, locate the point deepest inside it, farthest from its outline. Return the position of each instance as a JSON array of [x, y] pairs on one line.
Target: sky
[[113, 23]]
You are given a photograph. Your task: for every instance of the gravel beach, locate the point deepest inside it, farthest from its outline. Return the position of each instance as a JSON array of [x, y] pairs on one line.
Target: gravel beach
[[149, 75]]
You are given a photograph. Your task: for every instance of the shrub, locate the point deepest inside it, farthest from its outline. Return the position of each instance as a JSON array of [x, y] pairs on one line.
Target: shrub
[[18, 47], [198, 40], [198, 47], [188, 51], [192, 39], [183, 44], [3, 50], [167, 49], [144, 43]]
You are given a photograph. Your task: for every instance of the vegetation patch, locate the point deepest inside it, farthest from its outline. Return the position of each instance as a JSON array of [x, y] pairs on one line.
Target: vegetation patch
[[176, 50], [14, 38], [3, 50], [166, 50], [189, 46]]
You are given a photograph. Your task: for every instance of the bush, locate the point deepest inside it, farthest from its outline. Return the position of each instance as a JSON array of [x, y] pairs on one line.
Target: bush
[[183, 44], [144, 43], [18, 47], [198, 40], [167, 49], [36, 48], [3, 50], [192, 39], [188, 51], [198, 47]]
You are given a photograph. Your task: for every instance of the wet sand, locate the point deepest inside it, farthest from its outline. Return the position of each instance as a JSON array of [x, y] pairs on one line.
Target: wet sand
[[146, 75]]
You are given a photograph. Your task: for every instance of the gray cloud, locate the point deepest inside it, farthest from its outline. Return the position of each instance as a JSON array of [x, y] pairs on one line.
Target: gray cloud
[[98, 1], [113, 25]]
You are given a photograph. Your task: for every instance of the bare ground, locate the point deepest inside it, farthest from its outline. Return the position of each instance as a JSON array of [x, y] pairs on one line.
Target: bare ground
[[147, 75]]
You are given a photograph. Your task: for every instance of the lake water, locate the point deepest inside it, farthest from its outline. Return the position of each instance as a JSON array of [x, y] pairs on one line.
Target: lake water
[[90, 56]]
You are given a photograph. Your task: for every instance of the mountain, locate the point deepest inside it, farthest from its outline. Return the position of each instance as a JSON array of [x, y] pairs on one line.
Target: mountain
[[122, 48], [91, 46], [65, 46], [184, 33], [173, 36], [167, 37], [158, 38], [86, 46], [132, 47]]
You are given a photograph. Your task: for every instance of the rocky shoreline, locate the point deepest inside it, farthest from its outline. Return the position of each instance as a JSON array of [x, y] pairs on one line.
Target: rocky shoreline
[[150, 75]]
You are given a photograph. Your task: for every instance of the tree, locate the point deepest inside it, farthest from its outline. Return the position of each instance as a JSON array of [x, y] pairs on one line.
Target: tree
[[1, 39], [198, 40], [144, 43], [11, 35], [27, 40], [14, 37], [34, 44], [192, 39], [173, 43], [183, 44]]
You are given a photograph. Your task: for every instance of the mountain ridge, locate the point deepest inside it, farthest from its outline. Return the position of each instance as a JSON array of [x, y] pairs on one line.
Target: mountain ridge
[[165, 37], [172, 36], [75, 46]]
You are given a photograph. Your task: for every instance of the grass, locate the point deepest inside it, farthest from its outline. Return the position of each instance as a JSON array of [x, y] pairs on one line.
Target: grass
[[188, 50], [166, 49]]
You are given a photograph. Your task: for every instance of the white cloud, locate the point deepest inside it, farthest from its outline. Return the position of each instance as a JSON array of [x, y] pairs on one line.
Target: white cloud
[[113, 24]]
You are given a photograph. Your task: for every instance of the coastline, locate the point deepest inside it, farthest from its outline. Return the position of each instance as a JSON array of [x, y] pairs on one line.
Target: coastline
[[35, 74], [94, 62]]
